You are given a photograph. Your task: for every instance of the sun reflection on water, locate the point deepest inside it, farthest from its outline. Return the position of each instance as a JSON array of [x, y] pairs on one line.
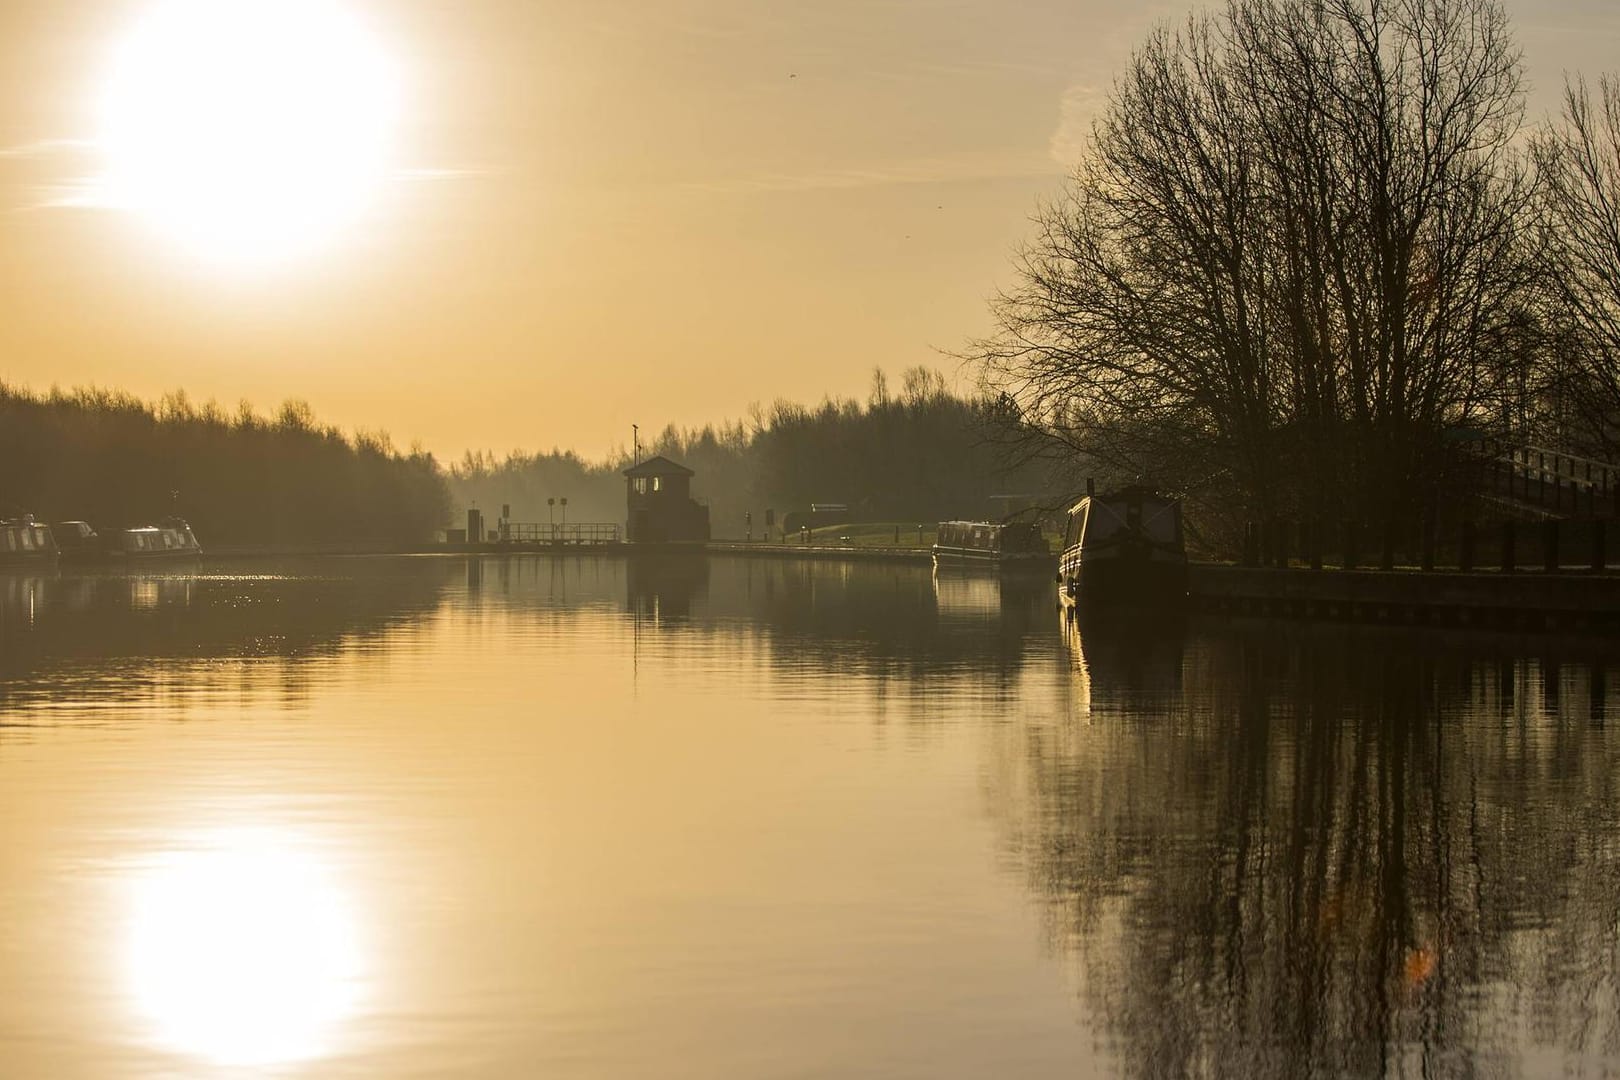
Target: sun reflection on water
[[243, 949]]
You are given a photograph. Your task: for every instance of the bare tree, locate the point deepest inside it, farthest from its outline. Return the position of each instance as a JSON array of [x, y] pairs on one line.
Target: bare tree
[[1578, 162], [1290, 260]]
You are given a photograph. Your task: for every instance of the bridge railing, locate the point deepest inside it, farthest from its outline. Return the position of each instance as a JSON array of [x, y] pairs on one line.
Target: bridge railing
[[1550, 478]]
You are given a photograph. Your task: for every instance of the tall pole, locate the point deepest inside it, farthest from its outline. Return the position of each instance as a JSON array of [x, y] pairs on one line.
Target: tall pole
[[635, 439]]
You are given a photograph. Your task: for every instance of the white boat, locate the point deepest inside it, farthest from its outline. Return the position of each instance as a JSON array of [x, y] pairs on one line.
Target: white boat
[[995, 545], [26, 542]]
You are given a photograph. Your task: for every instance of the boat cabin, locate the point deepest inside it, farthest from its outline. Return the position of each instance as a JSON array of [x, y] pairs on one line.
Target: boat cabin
[[990, 538], [172, 538], [994, 543], [24, 540]]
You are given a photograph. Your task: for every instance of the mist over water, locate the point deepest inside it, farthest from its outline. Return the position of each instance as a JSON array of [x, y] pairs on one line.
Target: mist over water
[[676, 816]]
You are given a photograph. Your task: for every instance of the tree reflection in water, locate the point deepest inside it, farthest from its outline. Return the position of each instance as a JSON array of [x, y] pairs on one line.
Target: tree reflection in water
[[1289, 850]]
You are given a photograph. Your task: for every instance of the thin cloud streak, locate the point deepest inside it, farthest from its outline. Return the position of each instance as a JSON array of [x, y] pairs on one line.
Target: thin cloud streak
[[955, 169], [44, 148]]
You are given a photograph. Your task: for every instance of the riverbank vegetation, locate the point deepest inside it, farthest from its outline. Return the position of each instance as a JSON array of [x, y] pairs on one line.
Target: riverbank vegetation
[[1310, 255], [242, 478], [913, 453]]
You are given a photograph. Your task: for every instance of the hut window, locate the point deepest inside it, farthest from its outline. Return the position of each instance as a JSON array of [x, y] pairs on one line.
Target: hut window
[[658, 483]]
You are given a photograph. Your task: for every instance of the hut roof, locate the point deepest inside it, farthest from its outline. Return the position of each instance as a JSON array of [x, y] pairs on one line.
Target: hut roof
[[659, 466]]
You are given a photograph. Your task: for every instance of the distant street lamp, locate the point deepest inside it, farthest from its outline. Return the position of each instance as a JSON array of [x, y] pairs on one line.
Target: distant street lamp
[[565, 511]]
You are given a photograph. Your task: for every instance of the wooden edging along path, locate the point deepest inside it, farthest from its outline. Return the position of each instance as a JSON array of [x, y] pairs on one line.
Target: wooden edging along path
[[1530, 598]]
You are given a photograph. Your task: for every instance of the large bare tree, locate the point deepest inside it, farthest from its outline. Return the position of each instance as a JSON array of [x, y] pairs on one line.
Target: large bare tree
[[1291, 260], [1578, 162]]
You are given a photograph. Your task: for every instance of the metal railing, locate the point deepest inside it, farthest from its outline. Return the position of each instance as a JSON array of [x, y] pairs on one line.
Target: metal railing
[[572, 534], [1551, 477]]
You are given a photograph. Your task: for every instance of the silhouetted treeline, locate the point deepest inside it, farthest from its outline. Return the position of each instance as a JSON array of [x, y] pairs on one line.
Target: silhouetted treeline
[[919, 453], [113, 460]]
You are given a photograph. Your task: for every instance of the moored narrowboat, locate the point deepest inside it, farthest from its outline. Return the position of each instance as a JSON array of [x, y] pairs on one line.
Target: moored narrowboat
[[1124, 549], [171, 538], [989, 544], [26, 542], [77, 541]]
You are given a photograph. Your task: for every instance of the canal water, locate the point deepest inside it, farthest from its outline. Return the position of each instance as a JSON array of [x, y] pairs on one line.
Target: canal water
[[740, 818]]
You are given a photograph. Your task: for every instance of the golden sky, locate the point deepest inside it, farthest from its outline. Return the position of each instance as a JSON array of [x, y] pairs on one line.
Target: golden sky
[[595, 212]]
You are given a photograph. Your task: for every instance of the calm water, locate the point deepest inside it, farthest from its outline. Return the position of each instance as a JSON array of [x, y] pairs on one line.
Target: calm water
[[739, 819]]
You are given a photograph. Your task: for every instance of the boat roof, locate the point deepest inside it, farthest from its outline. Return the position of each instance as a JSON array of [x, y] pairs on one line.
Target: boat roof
[[994, 524], [1129, 491]]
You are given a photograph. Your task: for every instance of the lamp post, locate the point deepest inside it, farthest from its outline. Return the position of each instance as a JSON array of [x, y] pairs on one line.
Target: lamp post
[[564, 501]]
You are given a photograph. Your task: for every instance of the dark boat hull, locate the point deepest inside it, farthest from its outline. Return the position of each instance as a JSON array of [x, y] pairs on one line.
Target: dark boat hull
[[1146, 583], [1023, 562]]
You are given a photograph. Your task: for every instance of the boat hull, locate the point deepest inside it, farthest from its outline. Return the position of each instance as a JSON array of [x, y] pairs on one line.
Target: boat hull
[[1144, 582], [1022, 562]]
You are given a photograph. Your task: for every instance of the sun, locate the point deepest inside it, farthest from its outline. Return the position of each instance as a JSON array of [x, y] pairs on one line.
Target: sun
[[248, 131]]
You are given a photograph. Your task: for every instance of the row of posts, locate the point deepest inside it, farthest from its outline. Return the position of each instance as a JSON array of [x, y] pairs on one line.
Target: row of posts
[[1275, 543]]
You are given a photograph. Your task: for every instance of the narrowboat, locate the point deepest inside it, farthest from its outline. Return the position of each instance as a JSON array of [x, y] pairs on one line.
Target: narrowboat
[[1001, 546], [26, 542], [170, 539], [77, 541], [1124, 549]]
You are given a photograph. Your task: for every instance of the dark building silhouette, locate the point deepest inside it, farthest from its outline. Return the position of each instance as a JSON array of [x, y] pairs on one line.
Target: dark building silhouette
[[660, 504]]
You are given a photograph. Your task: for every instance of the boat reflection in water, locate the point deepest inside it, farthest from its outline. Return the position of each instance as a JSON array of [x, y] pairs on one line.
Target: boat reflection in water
[[1127, 660]]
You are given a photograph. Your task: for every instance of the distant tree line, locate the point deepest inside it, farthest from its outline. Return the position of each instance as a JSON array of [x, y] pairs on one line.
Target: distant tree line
[[917, 453], [1309, 256], [240, 478]]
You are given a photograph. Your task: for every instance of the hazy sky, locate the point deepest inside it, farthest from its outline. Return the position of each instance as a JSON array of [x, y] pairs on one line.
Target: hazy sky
[[603, 212]]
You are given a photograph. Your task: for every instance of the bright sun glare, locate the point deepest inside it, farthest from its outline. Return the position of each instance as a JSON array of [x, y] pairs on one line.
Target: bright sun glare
[[248, 131], [242, 950]]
